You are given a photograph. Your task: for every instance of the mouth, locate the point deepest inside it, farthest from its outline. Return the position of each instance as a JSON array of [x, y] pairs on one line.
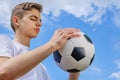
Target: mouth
[[37, 29]]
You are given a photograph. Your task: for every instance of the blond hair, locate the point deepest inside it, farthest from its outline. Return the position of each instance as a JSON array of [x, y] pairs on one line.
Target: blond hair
[[21, 9]]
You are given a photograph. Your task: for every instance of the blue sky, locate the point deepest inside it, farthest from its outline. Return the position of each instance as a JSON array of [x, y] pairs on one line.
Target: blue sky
[[99, 19]]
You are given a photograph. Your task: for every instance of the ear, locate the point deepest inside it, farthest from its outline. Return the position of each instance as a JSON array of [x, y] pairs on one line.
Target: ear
[[16, 20]]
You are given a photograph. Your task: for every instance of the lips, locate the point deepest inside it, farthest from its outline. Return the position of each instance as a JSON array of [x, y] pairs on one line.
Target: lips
[[37, 29]]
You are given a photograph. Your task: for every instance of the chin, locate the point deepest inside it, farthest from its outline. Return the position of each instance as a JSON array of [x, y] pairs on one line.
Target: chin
[[33, 36]]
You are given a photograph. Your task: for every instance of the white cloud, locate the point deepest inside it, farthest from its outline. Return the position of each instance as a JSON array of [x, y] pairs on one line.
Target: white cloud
[[117, 19], [115, 75], [87, 10], [96, 69], [80, 9], [4, 14]]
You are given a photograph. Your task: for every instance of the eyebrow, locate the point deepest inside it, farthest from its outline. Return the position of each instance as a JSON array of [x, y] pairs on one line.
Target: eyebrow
[[34, 16]]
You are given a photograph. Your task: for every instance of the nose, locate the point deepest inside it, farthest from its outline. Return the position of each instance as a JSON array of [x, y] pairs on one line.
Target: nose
[[39, 23]]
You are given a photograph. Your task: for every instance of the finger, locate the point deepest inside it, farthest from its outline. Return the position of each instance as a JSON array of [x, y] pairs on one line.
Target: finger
[[73, 35], [71, 30], [69, 35], [68, 31]]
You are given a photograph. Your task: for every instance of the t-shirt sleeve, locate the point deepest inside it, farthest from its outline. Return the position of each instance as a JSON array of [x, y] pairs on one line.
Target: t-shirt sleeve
[[6, 48]]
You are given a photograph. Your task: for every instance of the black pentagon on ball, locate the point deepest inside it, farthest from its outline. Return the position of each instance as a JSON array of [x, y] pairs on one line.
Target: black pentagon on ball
[[73, 70], [92, 59], [57, 56], [78, 53], [88, 39]]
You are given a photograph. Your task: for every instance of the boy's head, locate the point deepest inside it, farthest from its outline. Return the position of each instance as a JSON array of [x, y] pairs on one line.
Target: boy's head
[[22, 9]]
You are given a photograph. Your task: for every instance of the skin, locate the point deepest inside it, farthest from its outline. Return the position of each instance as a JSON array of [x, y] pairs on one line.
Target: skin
[[27, 28]]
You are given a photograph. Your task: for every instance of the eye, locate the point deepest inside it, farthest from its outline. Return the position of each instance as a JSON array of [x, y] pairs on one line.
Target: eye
[[33, 19], [40, 20]]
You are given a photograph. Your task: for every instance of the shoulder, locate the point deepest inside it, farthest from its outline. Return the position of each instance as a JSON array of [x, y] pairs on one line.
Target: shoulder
[[5, 41], [6, 46], [4, 38]]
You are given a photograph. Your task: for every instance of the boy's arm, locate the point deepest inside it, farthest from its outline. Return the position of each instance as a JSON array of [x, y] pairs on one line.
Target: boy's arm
[[12, 68], [74, 76]]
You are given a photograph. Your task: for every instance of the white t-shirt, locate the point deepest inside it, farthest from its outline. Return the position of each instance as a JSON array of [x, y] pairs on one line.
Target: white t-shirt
[[10, 48]]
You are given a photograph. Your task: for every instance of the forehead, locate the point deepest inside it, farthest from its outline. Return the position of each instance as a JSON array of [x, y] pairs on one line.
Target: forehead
[[32, 13]]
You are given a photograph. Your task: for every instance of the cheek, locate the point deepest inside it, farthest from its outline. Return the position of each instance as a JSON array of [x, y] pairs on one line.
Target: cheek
[[27, 26]]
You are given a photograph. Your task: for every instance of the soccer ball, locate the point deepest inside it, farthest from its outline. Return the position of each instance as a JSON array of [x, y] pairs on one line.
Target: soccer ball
[[77, 54]]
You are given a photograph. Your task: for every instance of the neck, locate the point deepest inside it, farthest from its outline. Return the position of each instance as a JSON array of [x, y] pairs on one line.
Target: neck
[[22, 39]]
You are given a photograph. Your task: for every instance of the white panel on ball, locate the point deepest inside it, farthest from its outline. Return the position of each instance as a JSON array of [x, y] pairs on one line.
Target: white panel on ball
[[83, 64], [67, 49], [90, 50], [68, 62]]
